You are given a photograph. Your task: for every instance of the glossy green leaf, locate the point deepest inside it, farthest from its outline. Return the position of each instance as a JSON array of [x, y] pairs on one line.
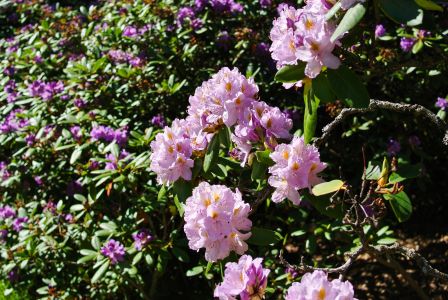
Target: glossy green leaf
[[195, 271], [327, 187], [350, 19], [264, 157], [429, 5], [100, 272], [348, 87], [310, 115], [401, 205], [322, 88], [76, 154], [212, 153], [259, 170], [402, 11], [291, 74]]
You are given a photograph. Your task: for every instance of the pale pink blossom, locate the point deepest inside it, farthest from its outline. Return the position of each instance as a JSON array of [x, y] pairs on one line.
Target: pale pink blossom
[[217, 219]]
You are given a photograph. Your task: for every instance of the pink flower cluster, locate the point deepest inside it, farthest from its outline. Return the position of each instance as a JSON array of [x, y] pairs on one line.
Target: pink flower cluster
[[304, 34], [317, 286], [264, 124], [246, 279], [217, 219], [296, 167]]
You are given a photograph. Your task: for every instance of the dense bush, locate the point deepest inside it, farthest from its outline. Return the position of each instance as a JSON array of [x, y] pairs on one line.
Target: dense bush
[[100, 200]]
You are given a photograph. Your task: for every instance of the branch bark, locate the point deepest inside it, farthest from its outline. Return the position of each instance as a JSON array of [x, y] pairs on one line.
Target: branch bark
[[416, 110]]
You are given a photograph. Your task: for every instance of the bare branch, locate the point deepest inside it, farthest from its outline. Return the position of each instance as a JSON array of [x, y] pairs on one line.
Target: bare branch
[[303, 268], [421, 262], [416, 110]]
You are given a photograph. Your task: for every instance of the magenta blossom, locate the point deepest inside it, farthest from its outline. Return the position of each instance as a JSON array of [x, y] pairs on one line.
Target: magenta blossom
[[114, 251], [246, 279], [142, 238]]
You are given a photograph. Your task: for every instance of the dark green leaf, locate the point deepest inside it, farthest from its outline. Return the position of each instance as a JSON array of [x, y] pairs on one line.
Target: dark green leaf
[[310, 115], [348, 87], [401, 205], [402, 11], [258, 170], [322, 89], [350, 19], [291, 74], [212, 153], [263, 237], [100, 272], [181, 255], [263, 157]]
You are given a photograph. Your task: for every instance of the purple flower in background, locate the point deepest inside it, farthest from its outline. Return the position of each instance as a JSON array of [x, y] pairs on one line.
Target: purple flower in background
[[136, 61], [69, 218], [262, 49], [130, 31], [3, 234], [30, 139], [112, 162], [4, 173], [38, 180], [414, 141], [113, 250], [142, 238], [406, 44], [18, 223], [94, 165], [65, 97], [226, 6], [158, 120], [38, 59], [13, 275], [74, 187], [36, 88], [292, 273], [7, 212], [380, 30], [79, 103], [265, 3], [393, 147], [13, 122], [76, 132], [9, 71], [196, 24], [223, 40], [50, 207], [185, 13], [200, 4], [442, 103], [108, 134]]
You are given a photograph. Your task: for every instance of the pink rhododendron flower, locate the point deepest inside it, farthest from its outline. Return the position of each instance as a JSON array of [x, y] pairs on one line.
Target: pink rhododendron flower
[[171, 152], [217, 219], [225, 98], [304, 34], [246, 279], [316, 286], [296, 167]]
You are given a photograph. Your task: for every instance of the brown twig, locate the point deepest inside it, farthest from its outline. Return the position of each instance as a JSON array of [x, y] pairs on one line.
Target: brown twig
[[416, 110]]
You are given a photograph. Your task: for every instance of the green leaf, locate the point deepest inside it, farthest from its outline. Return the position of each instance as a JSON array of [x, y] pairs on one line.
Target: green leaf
[[100, 272], [323, 205], [88, 252], [401, 205], [291, 74], [327, 187], [322, 89], [402, 11], [350, 19], [76, 154], [87, 258], [298, 233], [195, 271], [258, 170], [417, 46], [161, 193], [348, 87], [137, 258], [373, 172], [263, 237], [149, 260], [333, 10], [429, 5], [212, 153], [263, 157], [386, 241], [182, 190], [181, 255], [310, 115]]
